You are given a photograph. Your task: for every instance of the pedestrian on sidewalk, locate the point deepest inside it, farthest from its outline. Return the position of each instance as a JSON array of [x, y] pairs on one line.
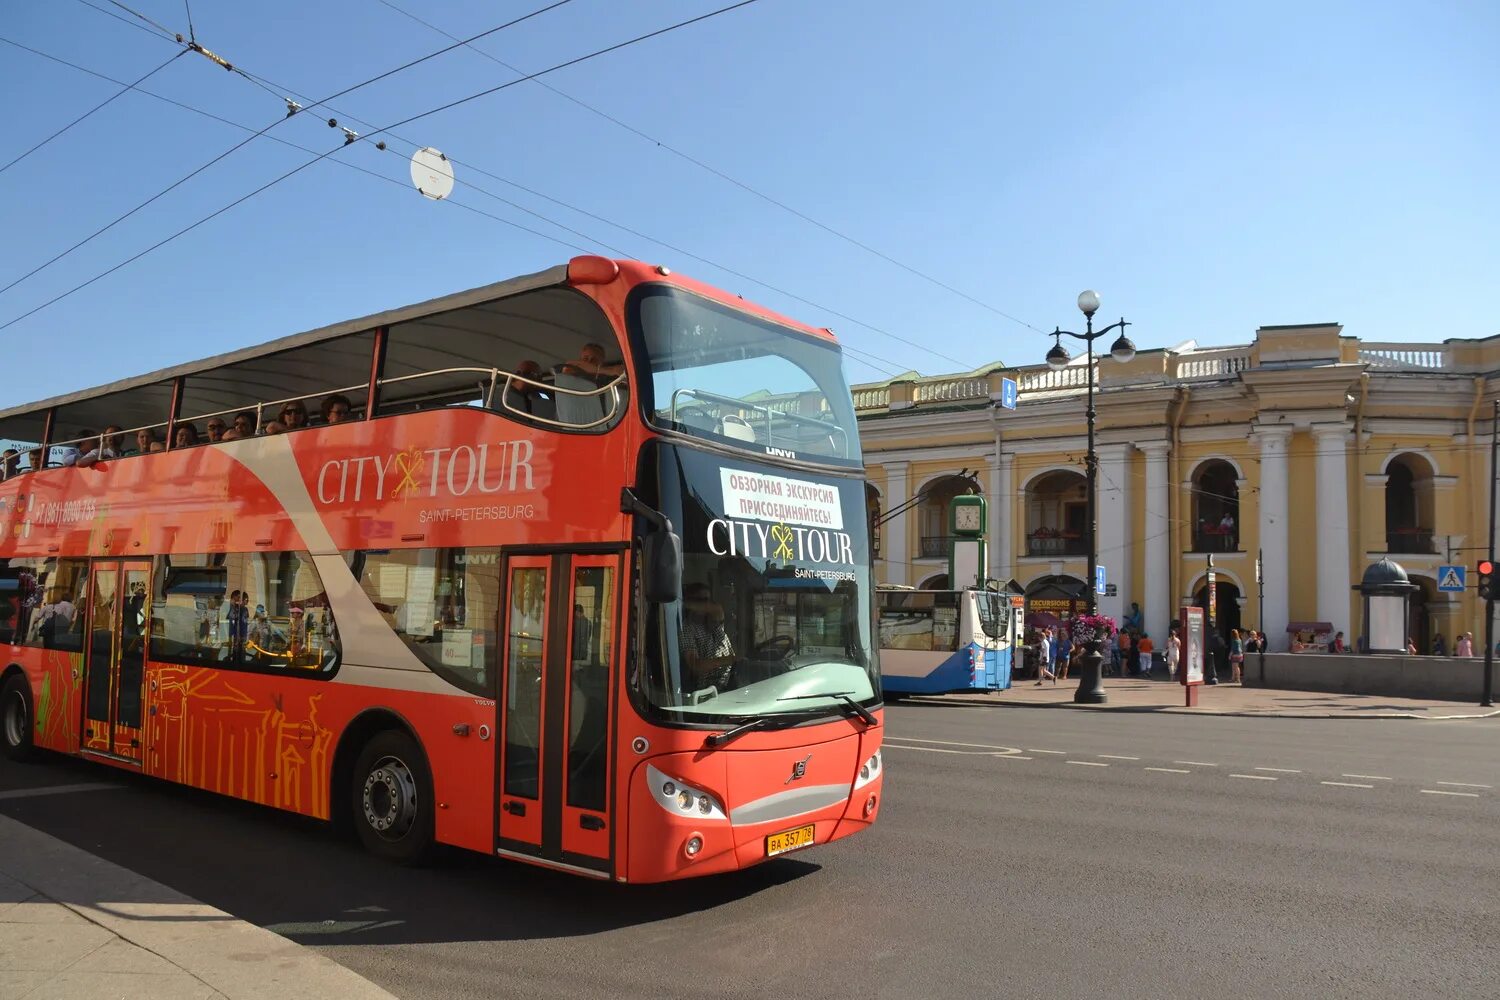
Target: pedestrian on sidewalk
[[1122, 658], [1066, 660], [1439, 645], [1145, 647], [1465, 645], [1236, 655], [1174, 654], [1044, 658]]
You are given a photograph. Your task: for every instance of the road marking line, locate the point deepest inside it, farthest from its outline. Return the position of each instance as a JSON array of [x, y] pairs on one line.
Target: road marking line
[[961, 753], [1170, 770], [1116, 756], [1345, 784], [1035, 750], [26, 793], [1280, 770], [1085, 763], [952, 743], [1462, 784], [1195, 763], [1367, 777], [1439, 791], [1254, 777]]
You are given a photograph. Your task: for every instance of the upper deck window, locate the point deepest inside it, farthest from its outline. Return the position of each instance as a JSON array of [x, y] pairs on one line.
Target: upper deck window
[[727, 376]]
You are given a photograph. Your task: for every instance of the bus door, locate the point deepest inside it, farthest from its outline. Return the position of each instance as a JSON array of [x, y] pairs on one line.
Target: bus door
[[115, 658], [556, 717]]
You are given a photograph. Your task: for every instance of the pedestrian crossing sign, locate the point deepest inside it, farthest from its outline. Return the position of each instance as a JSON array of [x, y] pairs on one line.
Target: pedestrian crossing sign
[[1452, 579]]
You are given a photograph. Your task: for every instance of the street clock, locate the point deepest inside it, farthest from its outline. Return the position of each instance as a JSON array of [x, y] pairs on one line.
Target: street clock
[[966, 557]]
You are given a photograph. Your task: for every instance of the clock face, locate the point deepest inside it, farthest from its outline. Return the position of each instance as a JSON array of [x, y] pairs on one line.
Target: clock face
[[966, 517]]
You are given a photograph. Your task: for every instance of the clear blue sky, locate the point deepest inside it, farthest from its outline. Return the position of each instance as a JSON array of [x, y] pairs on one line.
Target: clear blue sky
[[1207, 170]]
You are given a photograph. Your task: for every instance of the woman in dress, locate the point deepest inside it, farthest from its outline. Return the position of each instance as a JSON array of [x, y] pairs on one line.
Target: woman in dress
[[1236, 655]]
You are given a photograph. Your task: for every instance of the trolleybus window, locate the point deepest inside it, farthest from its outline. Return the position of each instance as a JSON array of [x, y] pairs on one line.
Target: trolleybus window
[[728, 376]]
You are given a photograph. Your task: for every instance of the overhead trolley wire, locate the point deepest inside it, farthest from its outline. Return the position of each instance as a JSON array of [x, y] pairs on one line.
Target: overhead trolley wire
[[322, 156], [125, 88], [245, 142], [710, 168]]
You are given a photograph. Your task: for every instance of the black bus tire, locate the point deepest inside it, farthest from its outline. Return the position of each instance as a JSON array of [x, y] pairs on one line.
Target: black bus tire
[[391, 800], [16, 719]]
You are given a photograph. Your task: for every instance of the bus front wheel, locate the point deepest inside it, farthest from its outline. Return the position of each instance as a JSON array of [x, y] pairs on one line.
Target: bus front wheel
[[15, 719], [392, 800]]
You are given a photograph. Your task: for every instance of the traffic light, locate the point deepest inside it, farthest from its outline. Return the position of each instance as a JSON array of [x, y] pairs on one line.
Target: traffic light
[[1486, 580]]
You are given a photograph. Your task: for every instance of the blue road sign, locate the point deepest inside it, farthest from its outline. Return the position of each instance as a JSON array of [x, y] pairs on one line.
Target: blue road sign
[[1099, 585], [1453, 579], [1010, 392]]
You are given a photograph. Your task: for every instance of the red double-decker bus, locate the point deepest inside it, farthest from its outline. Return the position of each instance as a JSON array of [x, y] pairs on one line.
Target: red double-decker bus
[[573, 569]]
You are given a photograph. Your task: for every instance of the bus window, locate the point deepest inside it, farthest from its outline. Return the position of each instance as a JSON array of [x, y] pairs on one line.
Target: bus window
[[42, 600], [922, 620], [994, 614], [443, 603], [189, 623]]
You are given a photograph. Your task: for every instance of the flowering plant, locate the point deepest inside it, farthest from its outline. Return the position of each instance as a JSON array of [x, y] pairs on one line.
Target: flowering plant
[[1093, 628]]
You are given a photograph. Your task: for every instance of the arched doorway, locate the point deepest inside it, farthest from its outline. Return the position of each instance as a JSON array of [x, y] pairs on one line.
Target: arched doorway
[[1227, 597], [1420, 621], [1052, 599], [939, 582], [1216, 507]]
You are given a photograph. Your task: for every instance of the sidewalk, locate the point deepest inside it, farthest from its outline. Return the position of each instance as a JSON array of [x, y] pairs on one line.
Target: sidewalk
[[76, 926], [1136, 695]]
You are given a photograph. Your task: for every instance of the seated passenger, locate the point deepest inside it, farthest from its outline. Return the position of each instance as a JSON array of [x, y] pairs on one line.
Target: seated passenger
[[230, 435], [10, 461], [337, 409], [185, 436], [109, 445], [586, 372], [707, 652], [70, 452], [245, 424], [294, 415], [157, 446], [274, 427], [144, 438], [216, 428], [523, 397], [37, 458]]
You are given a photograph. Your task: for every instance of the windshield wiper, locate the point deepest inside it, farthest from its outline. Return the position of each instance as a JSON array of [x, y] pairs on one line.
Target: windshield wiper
[[851, 707], [716, 740]]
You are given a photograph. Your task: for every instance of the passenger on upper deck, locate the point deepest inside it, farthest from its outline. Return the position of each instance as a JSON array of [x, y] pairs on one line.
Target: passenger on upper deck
[[10, 461], [245, 424], [185, 436], [586, 372], [294, 415], [109, 445], [274, 427], [216, 428], [523, 397], [36, 457], [230, 435], [337, 409], [70, 452], [144, 438]]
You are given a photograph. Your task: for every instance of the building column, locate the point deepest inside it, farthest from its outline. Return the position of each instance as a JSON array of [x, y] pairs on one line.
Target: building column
[[1113, 508], [1003, 508], [1158, 541], [893, 544], [1330, 444], [1275, 538]]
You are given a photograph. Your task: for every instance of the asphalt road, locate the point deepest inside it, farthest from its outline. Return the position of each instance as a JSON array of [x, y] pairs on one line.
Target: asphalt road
[[1143, 856]]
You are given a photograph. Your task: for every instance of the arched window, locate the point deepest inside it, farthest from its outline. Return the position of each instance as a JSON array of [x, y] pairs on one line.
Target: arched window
[[1216, 507], [1057, 515], [1408, 505], [932, 513], [872, 511]]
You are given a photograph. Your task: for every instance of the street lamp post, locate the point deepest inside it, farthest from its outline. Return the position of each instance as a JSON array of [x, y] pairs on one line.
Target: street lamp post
[[1090, 689]]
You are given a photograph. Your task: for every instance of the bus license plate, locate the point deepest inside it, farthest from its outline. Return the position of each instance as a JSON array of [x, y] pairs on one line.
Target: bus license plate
[[789, 840]]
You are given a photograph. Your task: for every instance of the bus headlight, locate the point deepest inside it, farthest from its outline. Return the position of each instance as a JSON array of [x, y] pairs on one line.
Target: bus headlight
[[682, 800], [869, 770]]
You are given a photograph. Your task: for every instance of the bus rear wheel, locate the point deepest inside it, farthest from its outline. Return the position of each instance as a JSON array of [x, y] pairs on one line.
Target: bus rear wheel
[[15, 719], [392, 800]]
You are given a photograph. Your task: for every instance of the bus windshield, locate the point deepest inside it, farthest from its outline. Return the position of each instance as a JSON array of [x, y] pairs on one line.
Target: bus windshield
[[776, 598], [733, 378]]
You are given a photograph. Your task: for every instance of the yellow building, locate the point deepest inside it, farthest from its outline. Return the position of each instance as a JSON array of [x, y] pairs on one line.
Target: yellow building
[[1318, 452]]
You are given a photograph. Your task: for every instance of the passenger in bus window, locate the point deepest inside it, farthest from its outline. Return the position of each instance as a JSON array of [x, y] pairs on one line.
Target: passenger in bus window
[[110, 445], [10, 460], [523, 397], [36, 457], [216, 428], [337, 409], [157, 446], [274, 427], [294, 415], [244, 423], [230, 435], [71, 453], [143, 441], [185, 436]]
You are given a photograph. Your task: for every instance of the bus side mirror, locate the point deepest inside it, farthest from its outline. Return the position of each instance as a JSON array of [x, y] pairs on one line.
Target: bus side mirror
[[661, 566]]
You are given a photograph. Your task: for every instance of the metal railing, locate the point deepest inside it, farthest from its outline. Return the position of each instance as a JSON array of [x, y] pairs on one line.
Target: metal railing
[[1411, 542], [768, 415], [1056, 545], [1214, 541], [935, 546]]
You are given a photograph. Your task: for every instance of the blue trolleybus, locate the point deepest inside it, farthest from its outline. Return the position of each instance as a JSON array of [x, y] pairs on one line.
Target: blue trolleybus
[[947, 641]]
